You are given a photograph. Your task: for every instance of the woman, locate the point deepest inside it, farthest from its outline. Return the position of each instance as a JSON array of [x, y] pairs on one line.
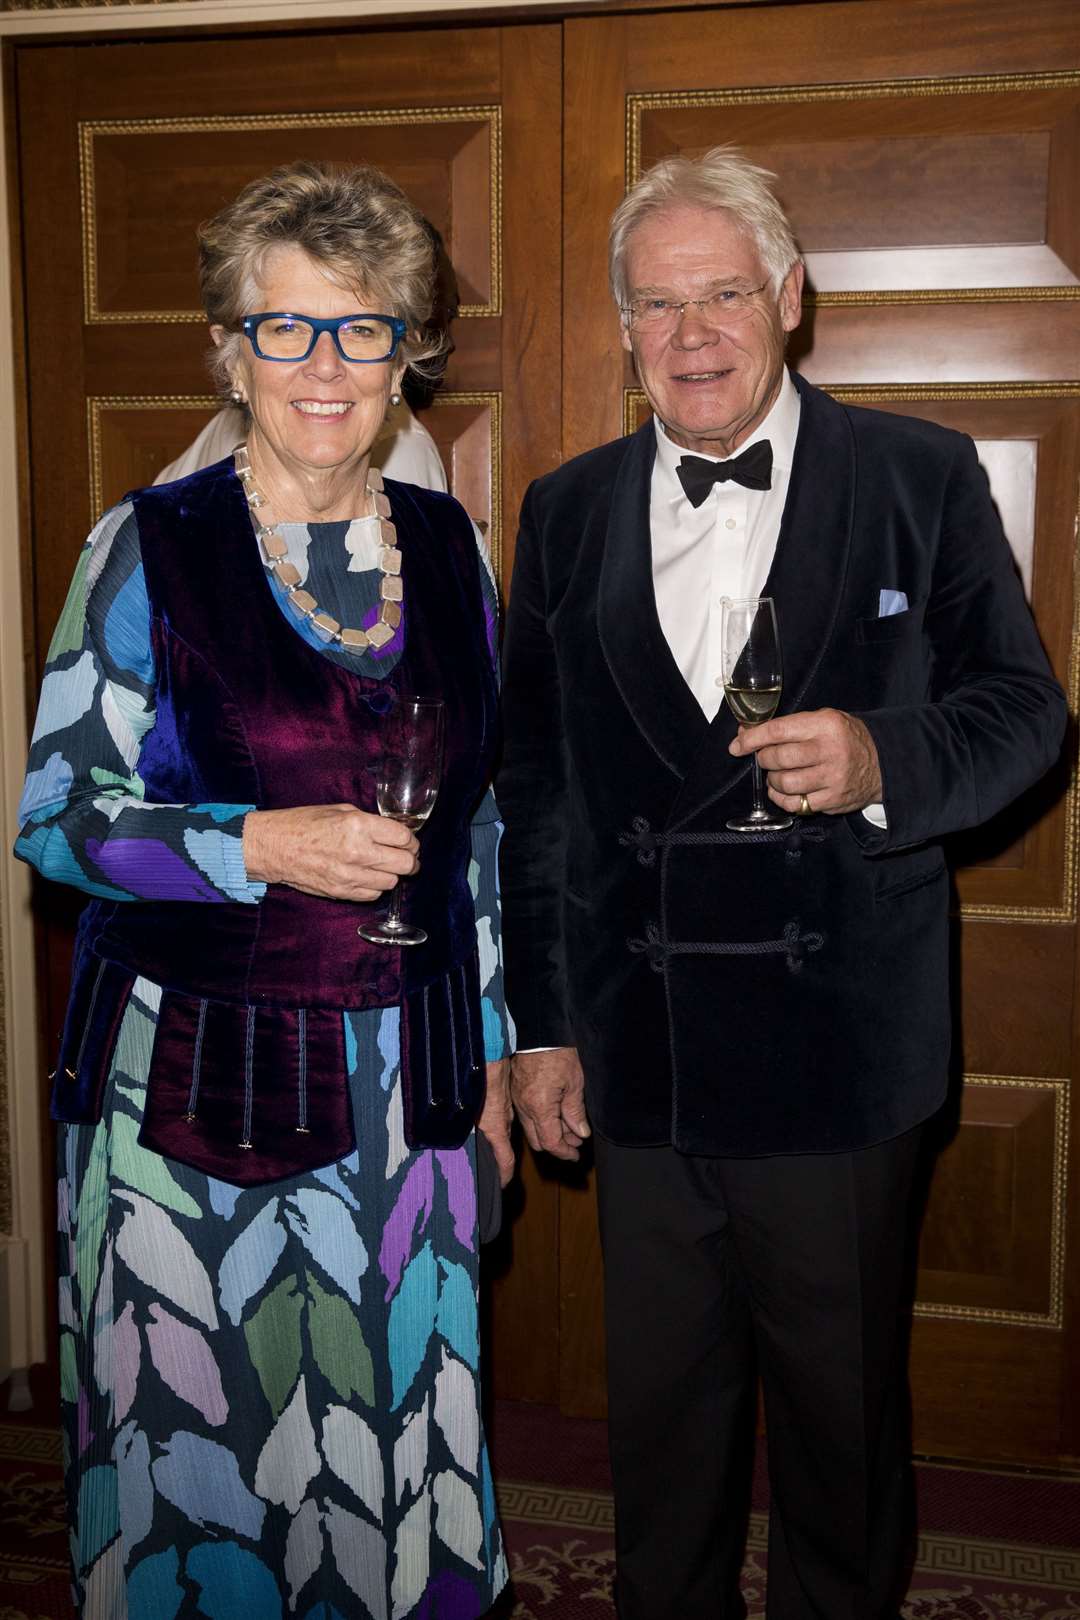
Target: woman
[[267, 1182]]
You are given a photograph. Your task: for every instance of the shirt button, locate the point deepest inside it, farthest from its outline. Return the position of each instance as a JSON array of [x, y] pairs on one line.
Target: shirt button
[[719, 681], [730, 524]]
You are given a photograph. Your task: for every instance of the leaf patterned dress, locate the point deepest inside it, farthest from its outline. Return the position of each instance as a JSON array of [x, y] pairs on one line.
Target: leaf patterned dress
[[271, 1395]]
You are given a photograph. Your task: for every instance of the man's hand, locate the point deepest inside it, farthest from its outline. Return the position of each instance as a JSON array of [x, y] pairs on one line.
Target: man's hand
[[548, 1092], [496, 1117], [824, 754]]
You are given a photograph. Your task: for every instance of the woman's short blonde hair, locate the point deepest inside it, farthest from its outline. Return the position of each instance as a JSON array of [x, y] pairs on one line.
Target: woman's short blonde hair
[[355, 223], [722, 178]]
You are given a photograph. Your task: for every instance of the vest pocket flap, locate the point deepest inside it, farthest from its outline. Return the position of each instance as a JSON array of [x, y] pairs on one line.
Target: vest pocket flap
[[442, 1058], [249, 1094], [96, 1005]]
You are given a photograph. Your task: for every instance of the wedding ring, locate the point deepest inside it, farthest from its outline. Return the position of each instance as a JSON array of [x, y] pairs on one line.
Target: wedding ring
[[804, 806]]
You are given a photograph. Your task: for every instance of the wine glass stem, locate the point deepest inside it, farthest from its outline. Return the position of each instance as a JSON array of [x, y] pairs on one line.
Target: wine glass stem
[[759, 787], [393, 915]]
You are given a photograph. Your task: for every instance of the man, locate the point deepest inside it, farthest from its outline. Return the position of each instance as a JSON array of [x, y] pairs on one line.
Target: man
[[756, 1025]]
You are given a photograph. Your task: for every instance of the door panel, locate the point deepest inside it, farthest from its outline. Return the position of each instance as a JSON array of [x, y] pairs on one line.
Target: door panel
[[138, 262], [123, 150], [927, 168]]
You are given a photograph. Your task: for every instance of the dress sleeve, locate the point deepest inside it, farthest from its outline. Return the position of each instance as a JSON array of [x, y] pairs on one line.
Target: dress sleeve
[[84, 817], [484, 866]]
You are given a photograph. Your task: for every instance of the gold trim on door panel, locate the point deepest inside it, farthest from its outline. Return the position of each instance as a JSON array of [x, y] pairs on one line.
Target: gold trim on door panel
[[945, 295], [871, 393], [494, 401], [90, 129], [640, 102], [1054, 1316], [98, 404]]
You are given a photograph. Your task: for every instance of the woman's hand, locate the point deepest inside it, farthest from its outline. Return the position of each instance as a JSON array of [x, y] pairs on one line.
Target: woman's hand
[[334, 850]]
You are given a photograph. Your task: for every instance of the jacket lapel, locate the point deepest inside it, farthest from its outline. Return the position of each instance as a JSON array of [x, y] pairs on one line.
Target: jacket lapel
[[806, 582], [635, 647]]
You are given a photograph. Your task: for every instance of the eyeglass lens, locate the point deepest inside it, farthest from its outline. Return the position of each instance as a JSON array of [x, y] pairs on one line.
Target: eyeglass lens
[[360, 338], [724, 308]]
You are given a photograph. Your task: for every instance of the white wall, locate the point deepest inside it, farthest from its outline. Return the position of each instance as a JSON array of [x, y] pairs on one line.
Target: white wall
[[23, 1234]]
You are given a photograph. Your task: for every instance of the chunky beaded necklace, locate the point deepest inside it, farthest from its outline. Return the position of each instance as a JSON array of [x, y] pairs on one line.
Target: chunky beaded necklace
[[303, 604]]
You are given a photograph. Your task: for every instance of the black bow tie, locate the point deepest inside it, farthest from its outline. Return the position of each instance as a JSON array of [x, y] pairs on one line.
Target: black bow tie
[[753, 468]]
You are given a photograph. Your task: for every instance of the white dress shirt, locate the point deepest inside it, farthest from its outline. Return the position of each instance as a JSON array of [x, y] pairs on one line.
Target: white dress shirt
[[724, 547]]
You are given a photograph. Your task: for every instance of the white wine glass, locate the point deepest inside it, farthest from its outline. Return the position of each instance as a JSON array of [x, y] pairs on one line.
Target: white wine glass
[[752, 673], [406, 787]]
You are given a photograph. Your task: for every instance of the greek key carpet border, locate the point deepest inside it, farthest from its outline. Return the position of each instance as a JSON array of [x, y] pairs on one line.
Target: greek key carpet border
[[27, 1444], [937, 1554]]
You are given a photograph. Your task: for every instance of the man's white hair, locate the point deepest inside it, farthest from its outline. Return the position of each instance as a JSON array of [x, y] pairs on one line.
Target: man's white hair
[[722, 178]]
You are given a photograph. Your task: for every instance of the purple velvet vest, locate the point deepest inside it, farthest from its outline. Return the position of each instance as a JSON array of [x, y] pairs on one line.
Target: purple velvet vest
[[248, 1075]]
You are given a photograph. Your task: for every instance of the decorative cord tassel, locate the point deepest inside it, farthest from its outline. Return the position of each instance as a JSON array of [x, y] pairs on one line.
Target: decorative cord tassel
[[302, 1126], [248, 1083], [196, 1064]]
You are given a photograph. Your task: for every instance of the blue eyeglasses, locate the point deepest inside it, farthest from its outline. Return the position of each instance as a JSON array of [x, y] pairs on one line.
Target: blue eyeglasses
[[359, 339]]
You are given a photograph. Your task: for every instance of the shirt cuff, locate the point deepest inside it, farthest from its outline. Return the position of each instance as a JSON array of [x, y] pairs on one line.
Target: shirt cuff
[[238, 885]]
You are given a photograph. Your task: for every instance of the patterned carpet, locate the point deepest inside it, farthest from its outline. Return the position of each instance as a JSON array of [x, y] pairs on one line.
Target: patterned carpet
[[1001, 1545], [34, 1581], [1022, 1564], [561, 1561]]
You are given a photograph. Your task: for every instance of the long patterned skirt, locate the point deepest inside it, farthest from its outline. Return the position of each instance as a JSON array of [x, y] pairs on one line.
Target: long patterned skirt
[[271, 1395]]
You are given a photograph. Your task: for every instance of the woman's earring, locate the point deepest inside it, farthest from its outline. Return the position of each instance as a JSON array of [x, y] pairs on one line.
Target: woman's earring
[[395, 399], [236, 397]]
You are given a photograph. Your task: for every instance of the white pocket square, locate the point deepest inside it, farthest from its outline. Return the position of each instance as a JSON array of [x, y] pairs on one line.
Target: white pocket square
[[890, 602]]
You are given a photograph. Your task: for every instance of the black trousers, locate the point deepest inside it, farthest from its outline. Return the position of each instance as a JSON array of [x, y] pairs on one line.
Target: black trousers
[[715, 1270]]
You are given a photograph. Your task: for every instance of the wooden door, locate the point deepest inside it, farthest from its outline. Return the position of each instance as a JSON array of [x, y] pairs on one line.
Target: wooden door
[[123, 149], [929, 152]]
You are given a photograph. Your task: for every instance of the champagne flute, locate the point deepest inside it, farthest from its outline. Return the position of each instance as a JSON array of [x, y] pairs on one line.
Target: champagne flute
[[752, 674], [406, 786]]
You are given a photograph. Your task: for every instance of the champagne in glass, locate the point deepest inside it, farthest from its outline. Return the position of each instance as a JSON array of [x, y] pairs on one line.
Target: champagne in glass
[[751, 705], [753, 680], [406, 787]]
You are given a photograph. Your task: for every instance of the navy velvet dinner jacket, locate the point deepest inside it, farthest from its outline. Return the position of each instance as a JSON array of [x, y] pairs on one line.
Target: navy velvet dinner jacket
[[783, 992]]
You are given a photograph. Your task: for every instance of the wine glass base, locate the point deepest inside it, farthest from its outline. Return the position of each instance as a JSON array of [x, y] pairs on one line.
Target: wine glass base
[[386, 933], [760, 821]]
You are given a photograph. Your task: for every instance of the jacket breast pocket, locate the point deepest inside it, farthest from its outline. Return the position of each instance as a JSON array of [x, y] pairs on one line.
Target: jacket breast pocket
[[893, 627]]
